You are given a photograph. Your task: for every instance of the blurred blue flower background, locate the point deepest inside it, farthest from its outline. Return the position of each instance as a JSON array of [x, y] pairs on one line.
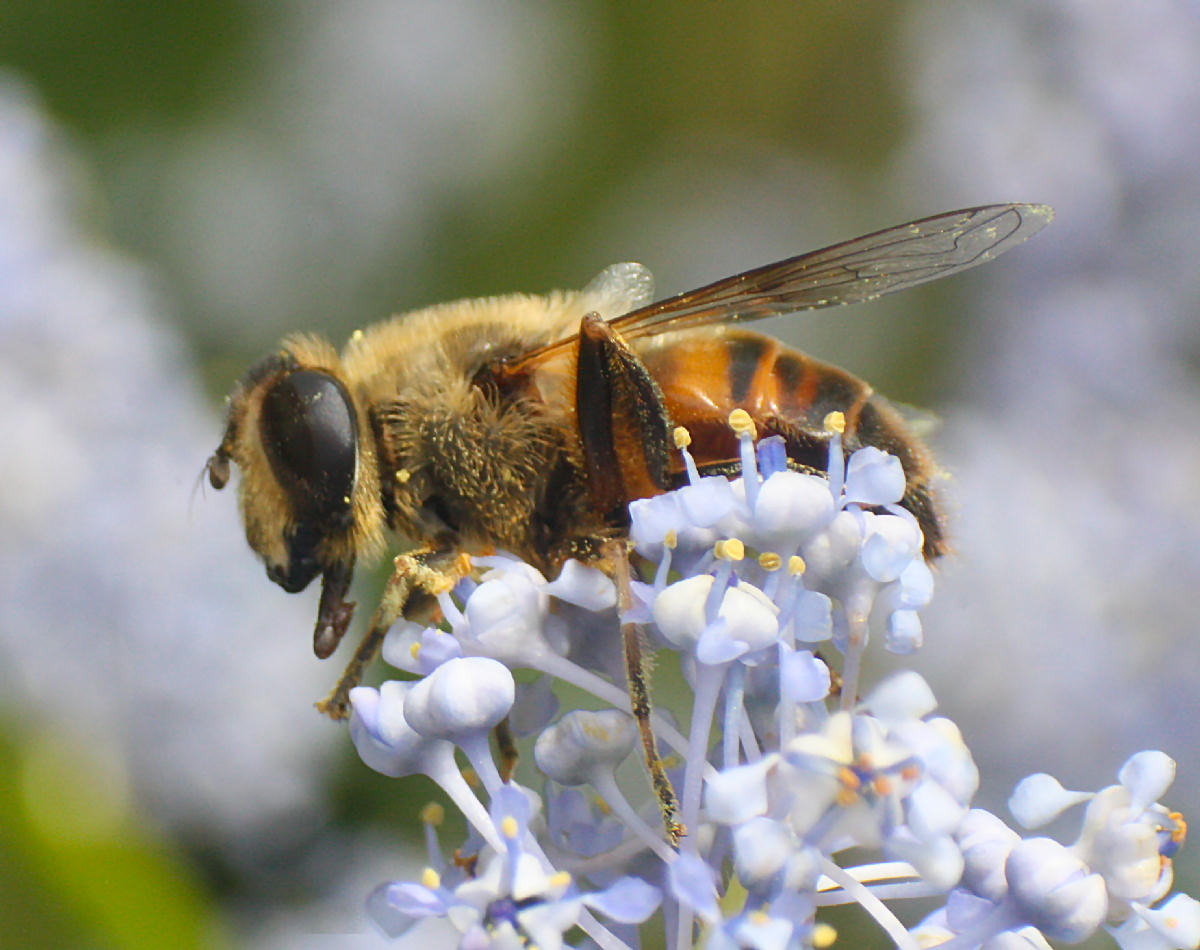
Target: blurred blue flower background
[[182, 183]]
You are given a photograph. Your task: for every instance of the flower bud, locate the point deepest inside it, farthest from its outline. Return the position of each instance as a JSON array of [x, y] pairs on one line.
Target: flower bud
[[571, 750], [1054, 890], [462, 696]]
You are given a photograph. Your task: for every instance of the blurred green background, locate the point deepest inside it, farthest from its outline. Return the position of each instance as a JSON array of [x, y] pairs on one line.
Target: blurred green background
[[247, 169], [572, 137]]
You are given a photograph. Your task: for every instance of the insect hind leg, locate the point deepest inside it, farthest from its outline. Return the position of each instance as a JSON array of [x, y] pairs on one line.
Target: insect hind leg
[[639, 696]]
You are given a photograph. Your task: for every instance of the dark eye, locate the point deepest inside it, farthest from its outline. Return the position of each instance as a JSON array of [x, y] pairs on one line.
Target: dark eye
[[309, 431]]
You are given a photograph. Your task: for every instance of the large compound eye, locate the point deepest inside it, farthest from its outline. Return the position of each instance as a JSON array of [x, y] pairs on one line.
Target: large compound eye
[[310, 435]]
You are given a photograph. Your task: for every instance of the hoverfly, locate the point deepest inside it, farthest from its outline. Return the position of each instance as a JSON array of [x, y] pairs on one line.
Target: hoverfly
[[528, 423]]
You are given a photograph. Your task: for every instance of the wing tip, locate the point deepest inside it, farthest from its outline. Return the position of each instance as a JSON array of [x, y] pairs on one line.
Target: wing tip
[[1036, 215]]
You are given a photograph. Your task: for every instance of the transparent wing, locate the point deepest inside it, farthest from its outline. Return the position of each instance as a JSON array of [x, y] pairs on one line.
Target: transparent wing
[[618, 289], [850, 272]]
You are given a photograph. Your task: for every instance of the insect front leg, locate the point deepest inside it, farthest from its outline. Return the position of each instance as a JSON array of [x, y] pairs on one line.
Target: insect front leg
[[411, 591], [334, 612], [619, 404]]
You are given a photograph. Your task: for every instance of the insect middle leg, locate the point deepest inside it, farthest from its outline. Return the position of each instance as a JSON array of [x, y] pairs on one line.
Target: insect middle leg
[[411, 590]]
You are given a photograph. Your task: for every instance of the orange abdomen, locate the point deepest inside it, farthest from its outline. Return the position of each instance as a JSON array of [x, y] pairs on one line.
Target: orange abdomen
[[706, 375]]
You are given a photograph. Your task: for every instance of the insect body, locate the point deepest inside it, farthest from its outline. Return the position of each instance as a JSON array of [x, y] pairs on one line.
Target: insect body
[[529, 423]]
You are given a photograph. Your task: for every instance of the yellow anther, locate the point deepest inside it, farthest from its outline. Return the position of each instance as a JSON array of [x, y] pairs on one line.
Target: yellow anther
[[1179, 832], [796, 565], [433, 814], [770, 561], [670, 539], [835, 422], [741, 423], [509, 827], [682, 437], [823, 935], [414, 650], [431, 879], [560, 880], [729, 549]]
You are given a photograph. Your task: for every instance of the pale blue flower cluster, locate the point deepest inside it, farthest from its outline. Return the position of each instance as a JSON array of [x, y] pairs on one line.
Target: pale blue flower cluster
[[783, 765]]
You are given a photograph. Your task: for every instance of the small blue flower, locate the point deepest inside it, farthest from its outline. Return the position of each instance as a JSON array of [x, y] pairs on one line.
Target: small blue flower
[[461, 697], [803, 677], [382, 735], [873, 478], [791, 508], [394, 907], [739, 793], [577, 823], [1053, 890], [692, 884], [1174, 925], [582, 743], [778, 774], [986, 843]]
